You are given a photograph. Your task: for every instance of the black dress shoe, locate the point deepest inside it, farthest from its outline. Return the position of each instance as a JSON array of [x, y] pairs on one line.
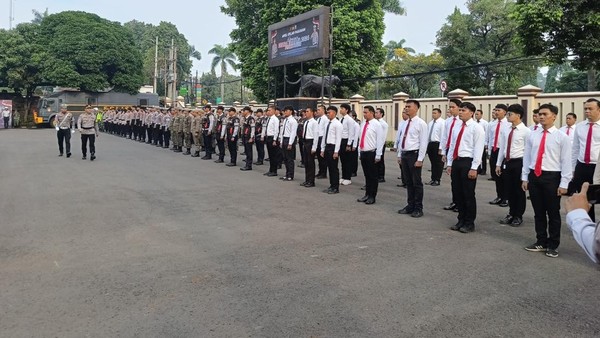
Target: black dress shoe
[[495, 201], [230, 164], [93, 157], [450, 207], [245, 169], [506, 220], [219, 161], [491, 179], [430, 182], [309, 185], [283, 177], [517, 221], [59, 155], [503, 204], [320, 177], [381, 180], [363, 199], [435, 183], [303, 183], [401, 185], [457, 226], [258, 163], [370, 201], [333, 191], [417, 214], [327, 190], [271, 174], [68, 155], [465, 229], [83, 158], [405, 211]]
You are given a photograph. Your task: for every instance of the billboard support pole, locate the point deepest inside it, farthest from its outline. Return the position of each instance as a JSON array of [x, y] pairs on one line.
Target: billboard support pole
[[284, 81], [331, 55], [323, 81]]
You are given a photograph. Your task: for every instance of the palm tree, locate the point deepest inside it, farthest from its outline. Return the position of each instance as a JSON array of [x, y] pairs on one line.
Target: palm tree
[[194, 54], [223, 56], [393, 45]]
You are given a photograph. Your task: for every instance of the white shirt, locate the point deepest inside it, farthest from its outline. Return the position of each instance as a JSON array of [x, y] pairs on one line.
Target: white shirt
[[322, 122], [517, 147], [492, 127], [357, 129], [5, 112], [273, 126], [556, 157], [438, 130], [333, 134], [374, 137], [484, 124], [580, 141], [414, 137], [447, 130], [385, 127], [535, 127], [584, 232], [569, 131], [348, 128], [290, 129], [471, 142]]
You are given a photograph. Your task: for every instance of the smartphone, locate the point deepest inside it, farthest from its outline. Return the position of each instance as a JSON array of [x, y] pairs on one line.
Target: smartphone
[[593, 193]]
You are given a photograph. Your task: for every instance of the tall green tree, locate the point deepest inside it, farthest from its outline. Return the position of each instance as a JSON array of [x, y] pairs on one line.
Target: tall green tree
[[222, 57], [481, 36], [562, 30], [38, 16], [358, 51], [88, 52], [392, 47], [415, 86]]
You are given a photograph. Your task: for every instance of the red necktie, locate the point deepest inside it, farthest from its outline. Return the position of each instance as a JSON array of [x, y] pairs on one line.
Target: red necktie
[[535, 128], [568, 131], [450, 134], [509, 143], [588, 145], [405, 134], [538, 163], [496, 136], [460, 134], [362, 137]]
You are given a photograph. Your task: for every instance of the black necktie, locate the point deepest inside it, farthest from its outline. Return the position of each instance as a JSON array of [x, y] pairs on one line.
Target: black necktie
[[327, 132], [305, 126]]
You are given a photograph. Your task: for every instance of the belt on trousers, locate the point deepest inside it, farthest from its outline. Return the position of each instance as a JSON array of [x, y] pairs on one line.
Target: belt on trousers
[[515, 159], [367, 151], [87, 128], [463, 159], [410, 152]]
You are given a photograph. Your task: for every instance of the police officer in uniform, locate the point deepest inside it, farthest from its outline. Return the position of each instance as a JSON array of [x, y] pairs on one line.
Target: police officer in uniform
[[166, 128], [248, 136], [64, 120], [88, 127], [187, 132], [176, 130], [260, 145], [196, 132], [207, 132], [233, 126], [220, 121]]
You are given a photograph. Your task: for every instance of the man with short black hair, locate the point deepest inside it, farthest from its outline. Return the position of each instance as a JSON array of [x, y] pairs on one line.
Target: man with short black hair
[[495, 129], [348, 138], [479, 119], [332, 140], [379, 114], [370, 150], [310, 133], [248, 135], [569, 128], [451, 122], [287, 140], [435, 129]]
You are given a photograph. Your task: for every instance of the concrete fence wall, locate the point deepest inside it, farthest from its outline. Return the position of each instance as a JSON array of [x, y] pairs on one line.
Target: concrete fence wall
[[530, 97]]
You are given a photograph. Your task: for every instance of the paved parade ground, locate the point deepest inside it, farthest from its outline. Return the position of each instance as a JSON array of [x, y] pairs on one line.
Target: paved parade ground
[[145, 242]]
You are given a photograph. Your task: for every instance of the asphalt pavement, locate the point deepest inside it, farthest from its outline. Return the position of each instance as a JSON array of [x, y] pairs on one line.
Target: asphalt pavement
[[145, 242]]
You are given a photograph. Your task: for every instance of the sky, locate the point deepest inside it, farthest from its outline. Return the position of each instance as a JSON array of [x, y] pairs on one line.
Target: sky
[[204, 25]]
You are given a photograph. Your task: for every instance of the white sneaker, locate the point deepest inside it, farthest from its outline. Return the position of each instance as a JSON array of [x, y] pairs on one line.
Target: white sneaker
[[346, 182], [341, 180]]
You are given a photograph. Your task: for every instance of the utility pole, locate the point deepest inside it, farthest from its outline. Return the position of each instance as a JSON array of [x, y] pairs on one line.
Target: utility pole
[[155, 90], [174, 71], [11, 14]]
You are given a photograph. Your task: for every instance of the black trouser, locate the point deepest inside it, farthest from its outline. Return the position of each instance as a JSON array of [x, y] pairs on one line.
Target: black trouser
[[208, 146], [437, 166], [367, 160], [322, 163], [221, 146], [301, 147], [6, 121], [288, 157], [546, 207], [463, 190], [249, 152], [497, 179], [483, 166], [149, 133], [167, 137], [260, 150], [309, 161], [583, 173], [345, 158], [381, 165], [272, 150], [354, 161], [511, 171], [64, 134], [332, 166], [232, 146], [412, 177], [84, 139]]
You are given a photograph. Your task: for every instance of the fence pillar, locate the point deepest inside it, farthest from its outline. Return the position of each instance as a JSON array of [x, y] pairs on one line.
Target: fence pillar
[[526, 97], [398, 102], [356, 105]]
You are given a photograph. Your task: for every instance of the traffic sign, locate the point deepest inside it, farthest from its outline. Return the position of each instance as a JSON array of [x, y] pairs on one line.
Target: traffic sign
[[443, 86]]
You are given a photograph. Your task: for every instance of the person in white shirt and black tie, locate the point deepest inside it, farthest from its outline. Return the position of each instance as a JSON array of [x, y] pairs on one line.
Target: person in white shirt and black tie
[[495, 129], [271, 134], [287, 140], [479, 119], [370, 151], [322, 119], [451, 122], [547, 171], [510, 164], [412, 150], [379, 114], [310, 134], [435, 130], [569, 128], [464, 157], [348, 138], [332, 139]]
